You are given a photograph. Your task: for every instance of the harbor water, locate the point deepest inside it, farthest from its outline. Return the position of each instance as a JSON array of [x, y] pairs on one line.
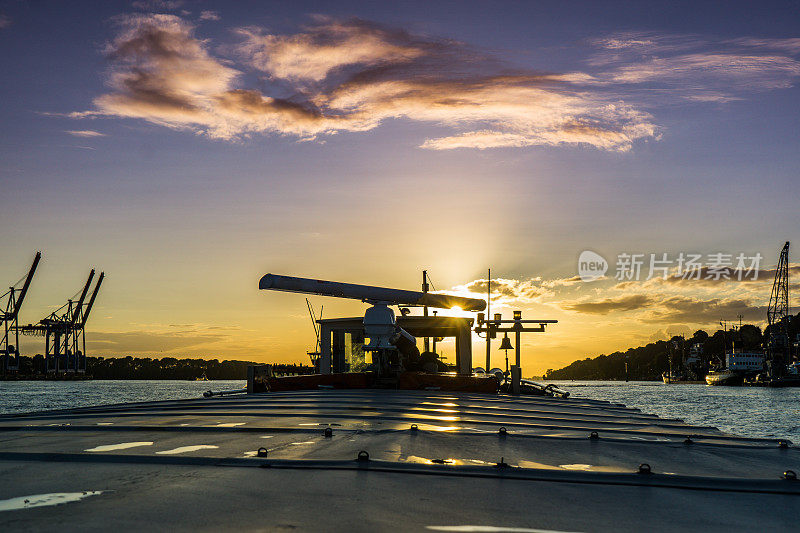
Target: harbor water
[[28, 396], [744, 411]]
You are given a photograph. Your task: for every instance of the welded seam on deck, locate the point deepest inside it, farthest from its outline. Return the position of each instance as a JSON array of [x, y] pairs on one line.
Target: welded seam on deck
[[731, 485]]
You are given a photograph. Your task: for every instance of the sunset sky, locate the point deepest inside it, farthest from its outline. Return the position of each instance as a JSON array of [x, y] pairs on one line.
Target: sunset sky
[[188, 148]]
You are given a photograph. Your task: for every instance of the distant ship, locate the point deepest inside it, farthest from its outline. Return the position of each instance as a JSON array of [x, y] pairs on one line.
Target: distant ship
[[672, 376], [724, 376], [738, 366], [690, 369], [791, 378]]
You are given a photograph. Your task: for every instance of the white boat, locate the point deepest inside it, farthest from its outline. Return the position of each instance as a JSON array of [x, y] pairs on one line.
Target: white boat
[[738, 366], [724, 377]]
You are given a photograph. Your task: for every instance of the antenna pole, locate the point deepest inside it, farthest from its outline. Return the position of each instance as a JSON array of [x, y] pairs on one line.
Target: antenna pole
[[426, 340], [488, 315]]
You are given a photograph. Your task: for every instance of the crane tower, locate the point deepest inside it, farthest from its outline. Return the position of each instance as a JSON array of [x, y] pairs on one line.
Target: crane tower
[[9, 353], [778, 316]]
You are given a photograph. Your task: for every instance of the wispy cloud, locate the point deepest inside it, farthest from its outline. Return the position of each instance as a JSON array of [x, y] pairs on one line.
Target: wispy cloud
[[85, 133], [746, 71], [508, 288], [668, 302], [791, 46], [351, 76], [148, 342], [682, 309], [522, 292], [155, 5], [695, 68], [607, 305], [330, 46], [163, 75], [209, 15], [667, 309], [144, 338], [605, 315], [706, 276]]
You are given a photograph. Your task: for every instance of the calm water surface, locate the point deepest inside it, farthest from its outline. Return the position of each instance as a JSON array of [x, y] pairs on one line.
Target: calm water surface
[[26, 396], [746, 411]]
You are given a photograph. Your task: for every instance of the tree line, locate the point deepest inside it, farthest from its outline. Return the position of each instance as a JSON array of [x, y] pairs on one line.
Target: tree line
[[648, 362], [164, 368]]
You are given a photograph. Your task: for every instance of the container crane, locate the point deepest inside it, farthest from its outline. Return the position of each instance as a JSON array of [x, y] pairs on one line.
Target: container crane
[[63, 330], [15, 296], [80, 330]]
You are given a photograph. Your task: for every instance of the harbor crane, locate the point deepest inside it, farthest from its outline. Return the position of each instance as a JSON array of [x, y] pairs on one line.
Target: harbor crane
[[778, 347], [63, 330], [14, 298], [314, 356]]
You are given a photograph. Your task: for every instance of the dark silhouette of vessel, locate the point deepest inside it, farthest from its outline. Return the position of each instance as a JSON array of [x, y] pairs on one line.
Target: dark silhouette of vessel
[[387, 449]]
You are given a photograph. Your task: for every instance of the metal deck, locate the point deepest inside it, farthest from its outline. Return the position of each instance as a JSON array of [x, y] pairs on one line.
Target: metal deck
[[432, 460]]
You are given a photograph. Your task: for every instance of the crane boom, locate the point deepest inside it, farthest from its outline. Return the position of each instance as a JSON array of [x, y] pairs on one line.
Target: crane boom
[[91, 300], [76, 315], [24, 290]]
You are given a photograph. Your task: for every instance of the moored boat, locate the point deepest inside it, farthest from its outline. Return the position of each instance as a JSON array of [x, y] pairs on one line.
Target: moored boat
[[724, 377], [740, 365]]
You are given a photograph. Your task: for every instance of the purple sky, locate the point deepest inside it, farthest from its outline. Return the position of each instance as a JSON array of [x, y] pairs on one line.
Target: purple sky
[[188, 148]]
